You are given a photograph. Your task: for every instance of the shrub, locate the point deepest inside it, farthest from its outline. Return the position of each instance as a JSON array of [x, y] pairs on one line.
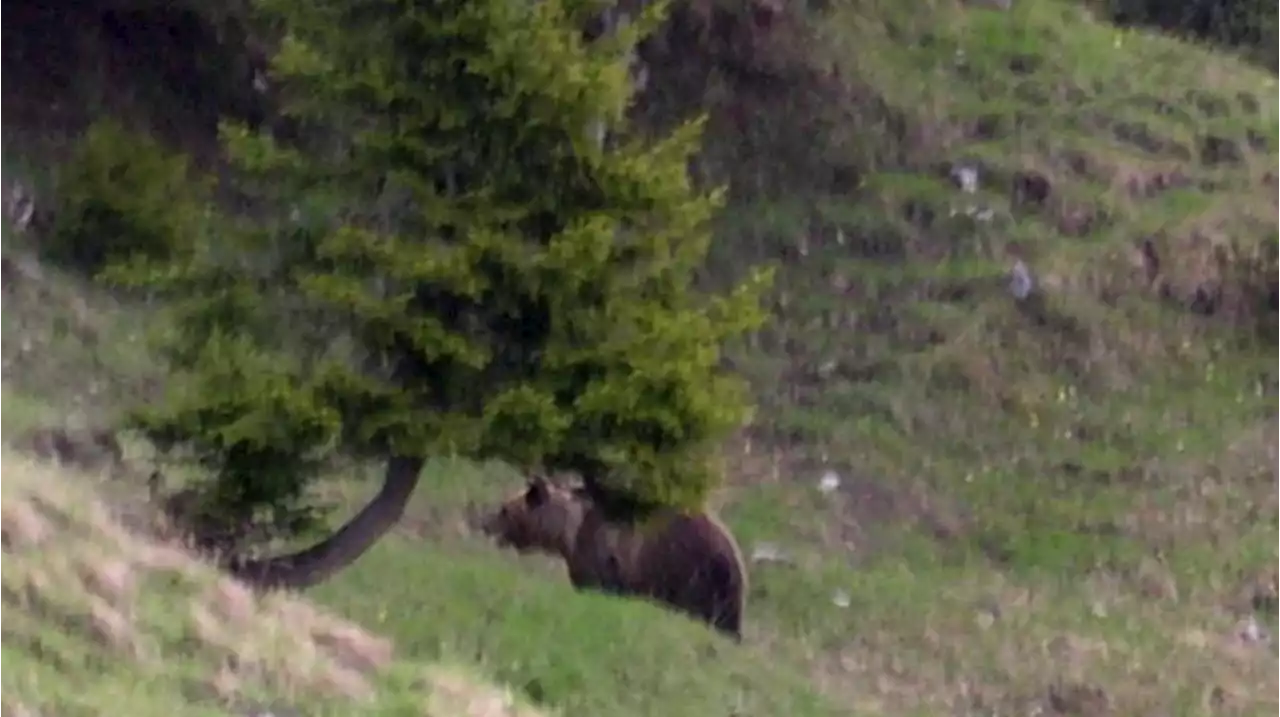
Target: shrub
[[122, 194]]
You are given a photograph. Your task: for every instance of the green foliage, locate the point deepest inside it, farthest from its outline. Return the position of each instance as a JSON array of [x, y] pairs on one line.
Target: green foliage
[[257, 425], [509, 286], [123, 194]]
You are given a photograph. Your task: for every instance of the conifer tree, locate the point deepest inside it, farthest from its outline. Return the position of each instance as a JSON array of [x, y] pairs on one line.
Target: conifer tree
[[478, 274]]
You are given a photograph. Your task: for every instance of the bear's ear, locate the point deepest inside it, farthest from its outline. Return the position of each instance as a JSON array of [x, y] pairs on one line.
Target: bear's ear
[[536, 495]]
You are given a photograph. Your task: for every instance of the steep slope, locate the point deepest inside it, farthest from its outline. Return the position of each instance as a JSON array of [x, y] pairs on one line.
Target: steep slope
[[1131, 177], [1104, 446], [100, 621]]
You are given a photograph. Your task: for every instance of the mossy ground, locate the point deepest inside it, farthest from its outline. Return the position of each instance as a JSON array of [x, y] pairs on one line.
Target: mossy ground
[[1066, 505]]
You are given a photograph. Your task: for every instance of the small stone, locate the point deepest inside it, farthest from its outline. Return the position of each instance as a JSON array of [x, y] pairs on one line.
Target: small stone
[[1253, 633], [966, 178], [768, 553], [1021, 283], [830, 482], [19, 207]]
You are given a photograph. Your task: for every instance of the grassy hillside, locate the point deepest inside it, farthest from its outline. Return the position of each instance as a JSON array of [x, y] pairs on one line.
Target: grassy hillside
[[99, 620], [900, 354], [1065, 504]]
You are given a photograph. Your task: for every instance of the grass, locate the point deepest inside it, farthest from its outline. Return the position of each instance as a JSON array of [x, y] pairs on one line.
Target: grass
[[1063, 506], [582, 654], [99, 620], [1110, 452]]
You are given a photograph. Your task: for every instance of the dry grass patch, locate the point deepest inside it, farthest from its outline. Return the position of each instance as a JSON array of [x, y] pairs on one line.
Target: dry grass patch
[[455, 692], [99, 620]]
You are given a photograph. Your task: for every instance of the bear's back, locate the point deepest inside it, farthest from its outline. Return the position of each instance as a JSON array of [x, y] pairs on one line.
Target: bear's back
[[689, 549]]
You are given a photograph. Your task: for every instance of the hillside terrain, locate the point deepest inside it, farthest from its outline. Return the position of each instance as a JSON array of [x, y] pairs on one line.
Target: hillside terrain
[[1015, 446], [100, 620]]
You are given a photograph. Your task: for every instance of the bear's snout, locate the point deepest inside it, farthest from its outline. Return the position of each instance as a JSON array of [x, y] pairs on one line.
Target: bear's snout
[[493, 524], [477, 517]]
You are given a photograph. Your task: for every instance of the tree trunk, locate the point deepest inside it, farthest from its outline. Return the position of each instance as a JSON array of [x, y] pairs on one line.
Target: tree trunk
[[319, 562]]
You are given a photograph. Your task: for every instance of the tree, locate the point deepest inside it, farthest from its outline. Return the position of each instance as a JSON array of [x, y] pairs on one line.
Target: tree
[[475, 273]]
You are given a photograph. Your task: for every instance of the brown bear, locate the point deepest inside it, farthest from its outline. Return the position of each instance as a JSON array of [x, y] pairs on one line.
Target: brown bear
[[689, 561]]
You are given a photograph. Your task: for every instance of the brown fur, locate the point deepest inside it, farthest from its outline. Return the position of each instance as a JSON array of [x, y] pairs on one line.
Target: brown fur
[[688, 561]]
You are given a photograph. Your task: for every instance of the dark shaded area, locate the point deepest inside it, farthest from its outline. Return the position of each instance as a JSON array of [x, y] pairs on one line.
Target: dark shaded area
[[66, 64], [1247, 25]]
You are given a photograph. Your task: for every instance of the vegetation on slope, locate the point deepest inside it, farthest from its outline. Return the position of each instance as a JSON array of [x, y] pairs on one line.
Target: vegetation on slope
[[1065, 503], [1112, 428], [899, 349], [99, 620]]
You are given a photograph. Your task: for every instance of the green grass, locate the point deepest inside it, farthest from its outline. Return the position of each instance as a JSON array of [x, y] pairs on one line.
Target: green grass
[[1119, 451], [579, 654], [1068, 508], [908, 360]]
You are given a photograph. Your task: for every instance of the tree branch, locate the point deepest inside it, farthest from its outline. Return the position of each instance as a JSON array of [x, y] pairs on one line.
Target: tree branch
[[317, 563]]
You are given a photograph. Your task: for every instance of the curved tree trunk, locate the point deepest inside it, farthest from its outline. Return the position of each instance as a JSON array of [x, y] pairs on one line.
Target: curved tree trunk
[[316, 564]]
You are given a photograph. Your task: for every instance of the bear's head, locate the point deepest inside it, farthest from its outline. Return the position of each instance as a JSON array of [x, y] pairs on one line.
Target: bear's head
[[542, 518]]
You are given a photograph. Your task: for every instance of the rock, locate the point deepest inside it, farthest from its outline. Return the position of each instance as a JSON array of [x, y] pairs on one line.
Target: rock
[[768, 553], [966, 178], [19, 207], [1021, 283], [1251, 632]]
